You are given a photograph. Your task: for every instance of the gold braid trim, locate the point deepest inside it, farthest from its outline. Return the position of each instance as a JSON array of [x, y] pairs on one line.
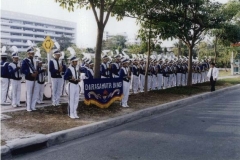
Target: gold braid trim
[[101, 105]]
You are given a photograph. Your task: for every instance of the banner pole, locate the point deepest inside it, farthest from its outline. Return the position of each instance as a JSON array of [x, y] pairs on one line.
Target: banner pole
[[49, 77]]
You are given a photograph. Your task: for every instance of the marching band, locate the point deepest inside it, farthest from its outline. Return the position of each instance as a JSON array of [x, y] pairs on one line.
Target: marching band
[[164, 71]]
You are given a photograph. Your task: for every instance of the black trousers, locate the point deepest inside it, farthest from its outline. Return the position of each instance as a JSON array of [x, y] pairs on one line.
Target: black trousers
[[212, 82]]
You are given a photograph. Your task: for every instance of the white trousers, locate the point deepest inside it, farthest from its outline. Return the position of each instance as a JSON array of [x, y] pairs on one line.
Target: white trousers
[[183, 79], [135, 83], [159, 81], [199, 77], [170, 80], [5, 82], [40, 90], [174, 80], [154, 82], [126, 87], [149, 82], [73, 98], [179, 79], [82, 77], [186, 81], [165, 81], [56, 90], [16, 91], [141, 82], [195, 78], [32, 94], [203, 77]]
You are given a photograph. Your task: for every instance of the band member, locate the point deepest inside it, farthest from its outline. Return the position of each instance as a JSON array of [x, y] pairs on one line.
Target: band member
[[142, 75], [154, 75], [198, 73], [83, 73], [5, 81], [90, 72], [14, 70], [40, 82], [104, 68], [184, 71], [72, 75], [30, 75], [165, 76], [135, 73], [56, 74], [124, 74], [149, 72], [213, 75], [179, 73], [115, 67], [64, 67], [160, 75]]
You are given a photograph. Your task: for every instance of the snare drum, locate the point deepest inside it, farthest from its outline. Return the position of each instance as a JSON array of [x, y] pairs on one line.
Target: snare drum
[[47, 90], [23, 96]]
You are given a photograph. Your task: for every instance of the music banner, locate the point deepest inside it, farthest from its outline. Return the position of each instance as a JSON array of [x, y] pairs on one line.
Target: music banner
[[103, 92]]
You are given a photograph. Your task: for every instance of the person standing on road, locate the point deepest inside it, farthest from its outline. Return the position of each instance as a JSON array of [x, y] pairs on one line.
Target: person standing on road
[[213, 75]]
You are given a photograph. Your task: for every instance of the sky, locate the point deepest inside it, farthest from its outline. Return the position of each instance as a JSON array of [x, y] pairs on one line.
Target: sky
[[86, 25]]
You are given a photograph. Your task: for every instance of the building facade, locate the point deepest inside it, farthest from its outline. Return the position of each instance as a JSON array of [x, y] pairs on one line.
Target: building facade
[[17, 28]]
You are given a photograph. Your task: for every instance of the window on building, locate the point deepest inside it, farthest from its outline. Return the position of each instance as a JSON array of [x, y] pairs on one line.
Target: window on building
[[15, 40], [68, 29], [28, 23], [25, 46], [58, 27], [39, 30], [15, 21], [39, 24], [28, 35], [59, 33], [16, 34], [27, 29], [24, 41], [39, 36], [14, 27]]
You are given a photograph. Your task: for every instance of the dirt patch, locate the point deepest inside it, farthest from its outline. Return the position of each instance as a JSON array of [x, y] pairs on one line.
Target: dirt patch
[[51, 119]]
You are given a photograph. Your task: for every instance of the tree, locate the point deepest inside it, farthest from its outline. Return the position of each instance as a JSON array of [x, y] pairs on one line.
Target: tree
[[138, 49], [228, 31], [115, 42], [104, 6], [64, 42]]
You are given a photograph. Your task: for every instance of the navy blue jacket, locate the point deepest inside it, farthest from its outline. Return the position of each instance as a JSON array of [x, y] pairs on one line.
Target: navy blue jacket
[[54, 73], [68, 75], [13, 71], [4, 69], [25, 69]]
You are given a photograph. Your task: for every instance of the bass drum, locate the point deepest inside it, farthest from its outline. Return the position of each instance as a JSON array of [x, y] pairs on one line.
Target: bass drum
[[47, 90], [23, 96], [67, 85]]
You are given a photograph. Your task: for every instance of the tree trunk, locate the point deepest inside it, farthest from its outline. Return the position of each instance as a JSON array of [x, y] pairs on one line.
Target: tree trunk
[[147, 65], [189, 78], [179, 48], [97, 61], [215, 50]]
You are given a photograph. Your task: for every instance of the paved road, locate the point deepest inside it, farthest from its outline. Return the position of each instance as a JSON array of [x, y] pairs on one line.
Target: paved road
[[207, 130]]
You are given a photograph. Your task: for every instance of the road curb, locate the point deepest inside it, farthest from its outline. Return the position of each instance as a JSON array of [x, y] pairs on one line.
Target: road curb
[[55, 138]]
